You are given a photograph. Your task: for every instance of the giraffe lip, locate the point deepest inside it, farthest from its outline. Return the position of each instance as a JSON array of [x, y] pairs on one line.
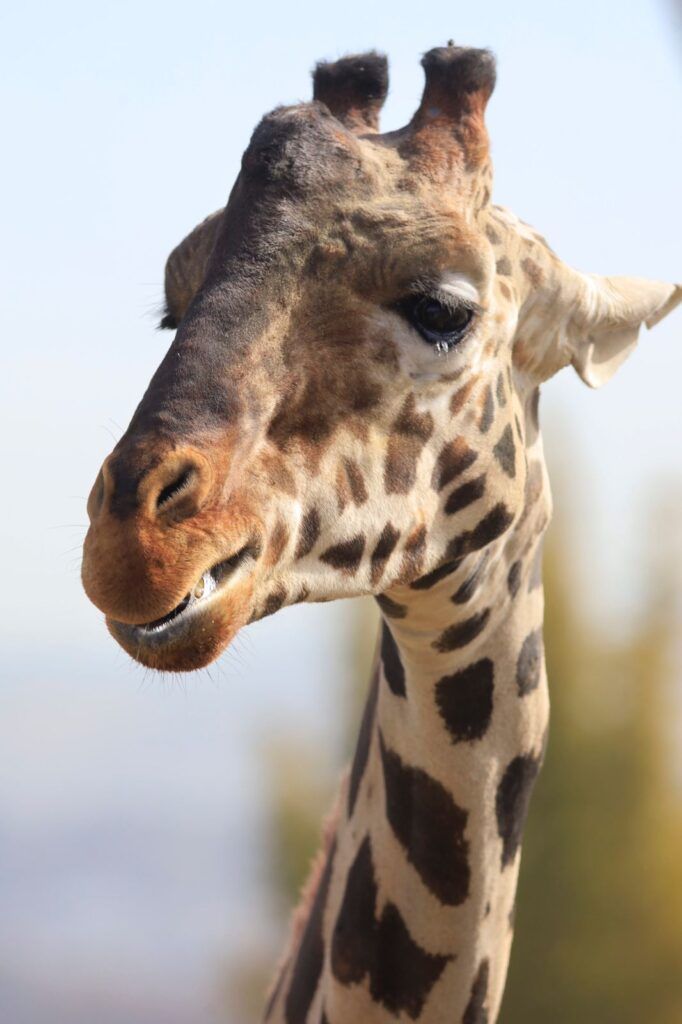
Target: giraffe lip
[[208, 584]]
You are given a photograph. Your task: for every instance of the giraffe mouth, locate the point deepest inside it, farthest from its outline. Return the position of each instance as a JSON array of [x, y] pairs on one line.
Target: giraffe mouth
[[146, 641]]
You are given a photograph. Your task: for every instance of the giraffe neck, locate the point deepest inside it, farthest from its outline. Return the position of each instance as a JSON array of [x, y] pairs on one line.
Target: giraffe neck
[[410, 912]]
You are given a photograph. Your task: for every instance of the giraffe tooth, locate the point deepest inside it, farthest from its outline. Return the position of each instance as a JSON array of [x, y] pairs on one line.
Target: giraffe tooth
[[206, 585]]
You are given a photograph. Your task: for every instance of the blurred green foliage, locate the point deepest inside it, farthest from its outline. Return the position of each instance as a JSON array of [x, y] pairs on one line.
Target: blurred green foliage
[[599, 920]]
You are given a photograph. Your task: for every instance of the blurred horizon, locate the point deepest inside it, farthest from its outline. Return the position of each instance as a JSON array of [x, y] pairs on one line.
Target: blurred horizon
[[136, 813]]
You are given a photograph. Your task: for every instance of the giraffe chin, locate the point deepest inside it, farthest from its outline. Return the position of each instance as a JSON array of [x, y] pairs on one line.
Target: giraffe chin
[[196, 631]]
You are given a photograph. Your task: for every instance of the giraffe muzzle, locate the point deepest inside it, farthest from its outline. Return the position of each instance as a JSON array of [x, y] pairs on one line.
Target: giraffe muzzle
[[169, 642]]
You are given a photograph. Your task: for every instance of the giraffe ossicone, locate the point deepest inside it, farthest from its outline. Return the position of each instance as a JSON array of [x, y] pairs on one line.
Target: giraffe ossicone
[[350, 406]]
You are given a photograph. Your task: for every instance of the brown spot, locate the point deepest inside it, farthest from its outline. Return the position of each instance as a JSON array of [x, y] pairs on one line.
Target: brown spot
[[413, 557], [467, 590], [492, 526], [309, 452], [465, 495], [410, 423], [383, 550], [542, 240], [345, 556], [465, 701], [308, 534], [306, 417], [462, 633], [430, 827], [476, 1011], [511, 916], [278, 542], [492, 235], [512, 800], [529, 663], [533, 270], [500, 391], [390, 607], [503, 266], [319, 399], [309, 961], [453, 459], [277, 475], [505, 289], [274, 601], [514, 579], [487, 407], [505, 452], [453, 376], [394, 671], [460, 396], [357, 483], [353, 938], [436, 575], [361, 755], [400, 467], [401, 973], [404, 973]]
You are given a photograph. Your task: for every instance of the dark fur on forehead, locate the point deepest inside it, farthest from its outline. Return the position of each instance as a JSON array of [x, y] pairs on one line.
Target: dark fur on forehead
[[354, 88], [298, 147]]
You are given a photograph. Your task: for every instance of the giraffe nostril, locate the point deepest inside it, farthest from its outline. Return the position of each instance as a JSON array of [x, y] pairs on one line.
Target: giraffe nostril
[[179, 485]]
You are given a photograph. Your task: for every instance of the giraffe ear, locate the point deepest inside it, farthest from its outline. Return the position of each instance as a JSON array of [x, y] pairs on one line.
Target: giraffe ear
[[605, 324], [186, 268], [587, 321]]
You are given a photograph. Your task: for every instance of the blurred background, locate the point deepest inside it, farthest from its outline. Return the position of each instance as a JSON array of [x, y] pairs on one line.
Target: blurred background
[[153, 833]]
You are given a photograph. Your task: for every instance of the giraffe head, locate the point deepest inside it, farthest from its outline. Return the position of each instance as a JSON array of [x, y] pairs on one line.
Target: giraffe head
[[348, 399]]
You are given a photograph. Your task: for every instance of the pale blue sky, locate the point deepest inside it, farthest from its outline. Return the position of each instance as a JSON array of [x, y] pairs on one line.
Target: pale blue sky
[[124, 127]]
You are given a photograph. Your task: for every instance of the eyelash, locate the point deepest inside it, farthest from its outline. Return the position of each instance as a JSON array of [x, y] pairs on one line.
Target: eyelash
[[420, 307]]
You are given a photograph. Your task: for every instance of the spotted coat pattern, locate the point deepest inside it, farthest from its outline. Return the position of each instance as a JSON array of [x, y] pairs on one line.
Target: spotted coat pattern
[[304, 440]]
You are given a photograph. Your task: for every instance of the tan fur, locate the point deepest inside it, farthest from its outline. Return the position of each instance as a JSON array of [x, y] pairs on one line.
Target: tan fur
[[306, 439]]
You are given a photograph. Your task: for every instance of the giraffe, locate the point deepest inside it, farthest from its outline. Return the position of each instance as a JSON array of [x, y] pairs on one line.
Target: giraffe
[[349, 407]]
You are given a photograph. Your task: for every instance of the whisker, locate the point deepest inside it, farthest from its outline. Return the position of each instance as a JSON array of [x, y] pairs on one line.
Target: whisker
[[112, 435]]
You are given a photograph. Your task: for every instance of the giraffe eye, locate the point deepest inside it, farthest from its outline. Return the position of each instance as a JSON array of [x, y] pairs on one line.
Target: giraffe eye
[[440, 324]]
